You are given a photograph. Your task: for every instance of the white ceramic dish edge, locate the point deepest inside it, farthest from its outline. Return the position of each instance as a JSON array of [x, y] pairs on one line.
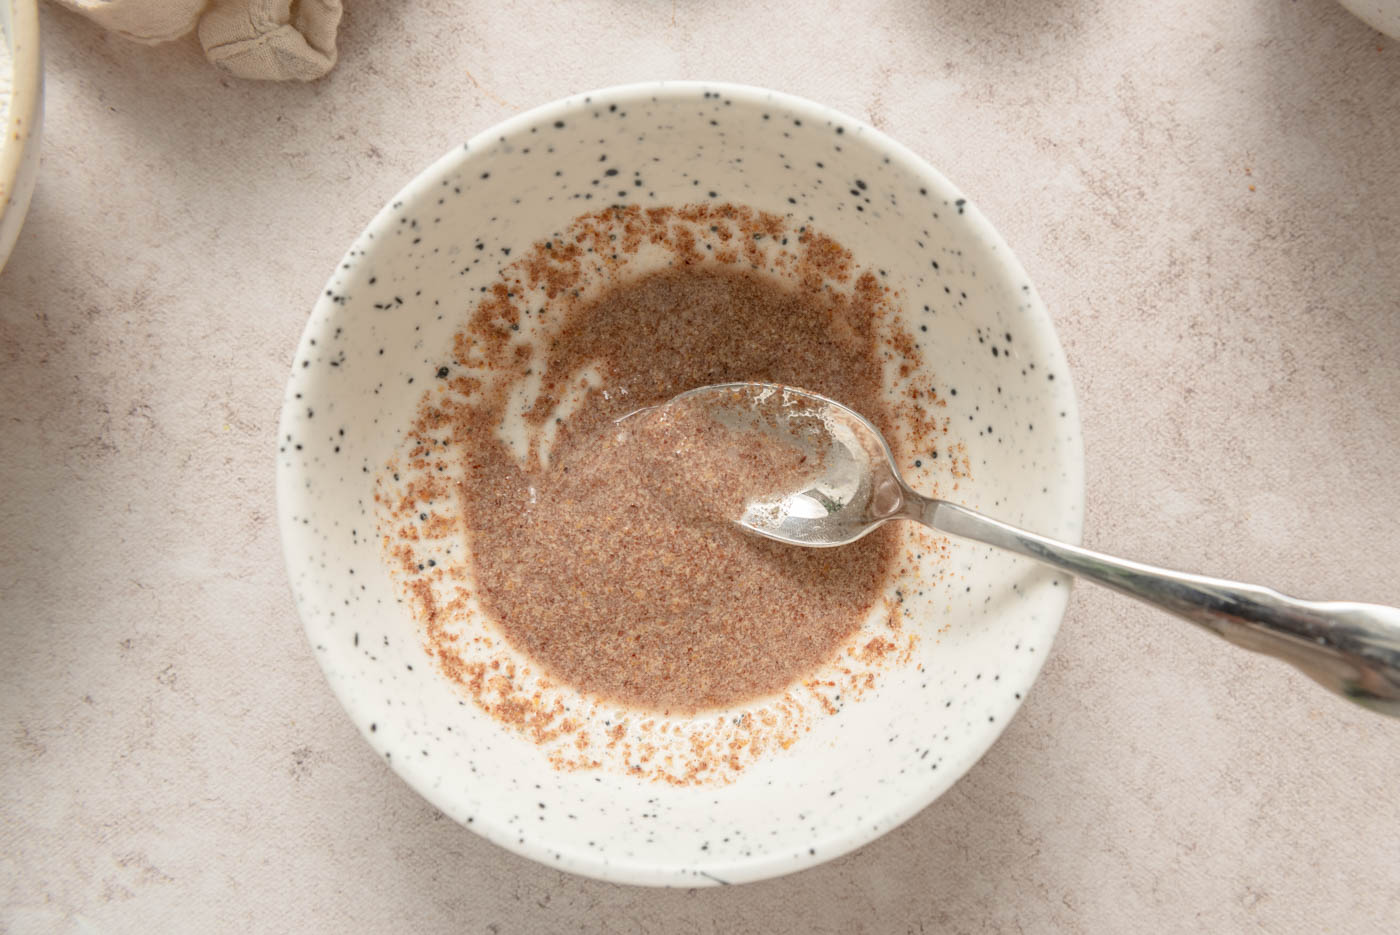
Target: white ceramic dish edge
[[1381, 15], [19, 148]]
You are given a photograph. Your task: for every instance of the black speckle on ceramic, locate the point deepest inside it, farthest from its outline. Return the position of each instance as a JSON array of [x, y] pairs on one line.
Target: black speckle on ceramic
[[985, 621]]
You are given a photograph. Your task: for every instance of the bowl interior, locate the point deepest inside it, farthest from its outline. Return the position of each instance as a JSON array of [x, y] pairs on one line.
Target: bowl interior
[[985, 621]]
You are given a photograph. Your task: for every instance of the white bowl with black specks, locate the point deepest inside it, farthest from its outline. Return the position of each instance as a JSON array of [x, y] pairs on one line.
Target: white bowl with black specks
[[987, 623]]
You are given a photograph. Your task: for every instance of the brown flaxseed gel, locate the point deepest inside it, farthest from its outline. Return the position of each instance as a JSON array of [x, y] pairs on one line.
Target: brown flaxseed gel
[[585, 553], [597, 568]]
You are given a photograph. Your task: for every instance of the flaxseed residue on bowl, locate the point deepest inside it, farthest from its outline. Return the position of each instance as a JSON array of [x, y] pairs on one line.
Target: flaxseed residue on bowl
[[562, 576]]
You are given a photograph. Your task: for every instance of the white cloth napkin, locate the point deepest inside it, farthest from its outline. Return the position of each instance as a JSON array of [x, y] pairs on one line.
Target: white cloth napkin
[[268, 40]]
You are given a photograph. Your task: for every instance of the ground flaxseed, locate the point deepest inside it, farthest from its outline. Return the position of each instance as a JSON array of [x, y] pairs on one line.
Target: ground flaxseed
[[835, 328], [595, 564]]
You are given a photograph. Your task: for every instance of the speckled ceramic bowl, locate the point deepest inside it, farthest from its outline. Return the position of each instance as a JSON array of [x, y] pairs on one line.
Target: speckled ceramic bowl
[[983, 621]]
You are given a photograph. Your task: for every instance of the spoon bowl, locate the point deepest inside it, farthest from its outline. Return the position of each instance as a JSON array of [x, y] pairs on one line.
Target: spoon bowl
[[856, 489]]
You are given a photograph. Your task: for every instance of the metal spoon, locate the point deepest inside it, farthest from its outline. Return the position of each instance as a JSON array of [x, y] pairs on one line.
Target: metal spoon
[[1350, 648]]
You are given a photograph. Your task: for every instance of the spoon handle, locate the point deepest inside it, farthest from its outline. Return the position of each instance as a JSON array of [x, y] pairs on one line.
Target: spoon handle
[[1350, 648]]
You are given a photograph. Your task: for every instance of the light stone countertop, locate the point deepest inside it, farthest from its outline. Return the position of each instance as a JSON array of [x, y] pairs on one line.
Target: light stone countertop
[[1207, 195]]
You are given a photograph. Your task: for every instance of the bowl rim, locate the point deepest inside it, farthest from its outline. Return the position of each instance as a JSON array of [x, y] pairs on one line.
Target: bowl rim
[[841, 839], [23, 39]]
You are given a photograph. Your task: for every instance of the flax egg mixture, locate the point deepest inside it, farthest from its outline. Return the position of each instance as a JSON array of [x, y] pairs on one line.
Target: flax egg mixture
[[603, 551], [597, 562]]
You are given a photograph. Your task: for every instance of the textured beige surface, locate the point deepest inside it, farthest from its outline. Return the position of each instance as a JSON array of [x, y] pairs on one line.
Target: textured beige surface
[[170, 757]]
